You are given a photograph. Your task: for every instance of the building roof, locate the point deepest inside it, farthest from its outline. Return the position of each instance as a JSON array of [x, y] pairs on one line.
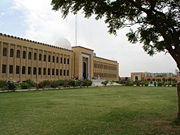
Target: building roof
[[82, 47], [105, 59], [27, 40]]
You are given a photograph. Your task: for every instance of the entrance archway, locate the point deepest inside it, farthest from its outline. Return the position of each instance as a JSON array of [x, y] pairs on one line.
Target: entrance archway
[[84, 70], [136, 78]]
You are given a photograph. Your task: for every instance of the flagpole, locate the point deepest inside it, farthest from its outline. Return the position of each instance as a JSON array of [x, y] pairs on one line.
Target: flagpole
[[76, 29]]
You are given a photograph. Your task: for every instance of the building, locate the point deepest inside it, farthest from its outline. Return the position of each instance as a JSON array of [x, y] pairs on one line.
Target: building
[[22, 59], [138, 76]]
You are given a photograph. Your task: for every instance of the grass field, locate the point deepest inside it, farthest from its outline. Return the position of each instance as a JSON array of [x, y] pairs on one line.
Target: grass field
[[90, 111]]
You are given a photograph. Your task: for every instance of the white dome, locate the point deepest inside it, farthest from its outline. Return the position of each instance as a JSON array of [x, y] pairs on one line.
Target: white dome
[[63, 43]]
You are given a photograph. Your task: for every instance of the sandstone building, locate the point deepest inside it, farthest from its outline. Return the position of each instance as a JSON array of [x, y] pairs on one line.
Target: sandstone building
[[22, 59], [146, 76]]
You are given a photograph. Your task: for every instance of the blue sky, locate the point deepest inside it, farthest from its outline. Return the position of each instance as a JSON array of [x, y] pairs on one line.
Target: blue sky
[[12, 20], [35, 20]]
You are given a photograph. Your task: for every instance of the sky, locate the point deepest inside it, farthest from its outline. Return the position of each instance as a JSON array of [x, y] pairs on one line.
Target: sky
[[35, 20]]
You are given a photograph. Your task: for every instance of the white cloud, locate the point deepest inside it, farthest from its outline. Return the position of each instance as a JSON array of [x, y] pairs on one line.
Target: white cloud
[[45, 25]]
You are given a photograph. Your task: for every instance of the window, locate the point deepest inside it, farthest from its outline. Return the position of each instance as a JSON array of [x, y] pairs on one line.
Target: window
[[11, 52], [3, 68], [61, 61], [49, 71], [57, 60], [40, 57], [53, 71], [23, 70], [67, 72], [35, 56], [29, 70], [29, 55], [57, 72], [67, 61], [39, 71], [60, 72], [53, 59], [17, 69], [4, 51], [34, 70], [49, 58], [44, 57], [24, 54], [64, 72], [18, 54], [64, 60], [44, 71], [10, 69]]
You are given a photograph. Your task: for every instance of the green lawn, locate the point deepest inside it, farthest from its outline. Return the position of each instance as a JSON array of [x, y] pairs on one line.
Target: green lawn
[[90, 111]]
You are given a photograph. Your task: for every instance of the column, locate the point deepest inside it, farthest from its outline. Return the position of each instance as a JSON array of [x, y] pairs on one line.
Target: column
[[32, 66], [7, 71], [26, 73], [20, 63], [14, 63]]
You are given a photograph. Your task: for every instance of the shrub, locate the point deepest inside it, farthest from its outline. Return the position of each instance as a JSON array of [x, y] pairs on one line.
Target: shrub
[[66, 83], [54, 84], [24, 85], [46, 84], [30, 83], [160, 84], [137, 83], [144, 83], [3, 84], [174, 84], [78, 83], [60, 82], [40, 85], [11, 85], [71, 83], [104, 83], [129, 83], [87, 83], [167, 83]]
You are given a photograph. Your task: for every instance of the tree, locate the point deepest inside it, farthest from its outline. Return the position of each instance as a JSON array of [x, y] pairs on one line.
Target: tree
[[154, 23]]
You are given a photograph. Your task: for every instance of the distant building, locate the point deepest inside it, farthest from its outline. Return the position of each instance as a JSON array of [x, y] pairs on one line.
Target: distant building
[[138, 76], [22, 59]]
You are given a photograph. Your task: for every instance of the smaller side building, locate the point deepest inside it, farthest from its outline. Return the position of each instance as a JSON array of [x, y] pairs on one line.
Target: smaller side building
[[139, 76]]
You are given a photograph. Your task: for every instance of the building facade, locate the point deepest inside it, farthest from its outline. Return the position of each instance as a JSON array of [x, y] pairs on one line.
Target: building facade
[[139, 76], [22, 59]]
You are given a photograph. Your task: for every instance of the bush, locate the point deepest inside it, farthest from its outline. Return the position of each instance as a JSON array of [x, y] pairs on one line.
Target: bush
[[167, 83], [137, 83], [160, 84], [78, 83], [30, 83], [129, 83], [71, 83], [104, 83], [66, 83], [46, 84], [174, 84], [87, 83], [3, 84], [24, 85], [11, 85], [54, 84], [40, 85], [144, 83], [60, 82]]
